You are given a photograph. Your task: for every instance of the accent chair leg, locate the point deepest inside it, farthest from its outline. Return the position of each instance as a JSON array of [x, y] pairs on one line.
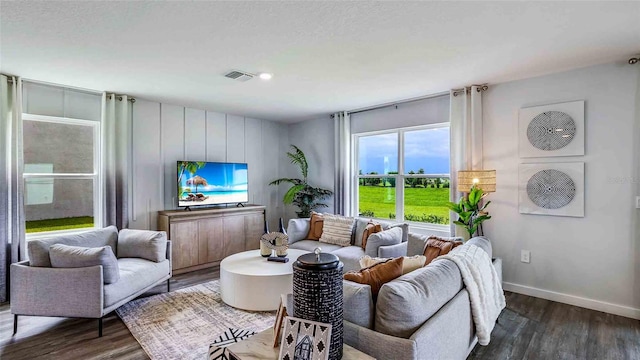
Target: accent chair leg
[[15, 324], [168, 285], [100, 327]]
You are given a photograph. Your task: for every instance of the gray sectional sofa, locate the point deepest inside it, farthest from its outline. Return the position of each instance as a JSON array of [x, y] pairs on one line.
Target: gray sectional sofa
[[39, 289], [298, 229], [425, 314]]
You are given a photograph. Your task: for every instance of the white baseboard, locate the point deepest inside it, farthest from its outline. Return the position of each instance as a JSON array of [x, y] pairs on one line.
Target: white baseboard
[[574, 300]]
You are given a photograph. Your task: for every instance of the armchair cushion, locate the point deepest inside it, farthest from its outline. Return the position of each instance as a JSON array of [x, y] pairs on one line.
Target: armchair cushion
[[65, 256], [144, 244], [135, 275], [38, 249], [391, 236]]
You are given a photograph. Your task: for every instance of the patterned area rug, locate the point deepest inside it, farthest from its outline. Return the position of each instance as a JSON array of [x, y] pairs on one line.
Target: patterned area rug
[[183, 323]]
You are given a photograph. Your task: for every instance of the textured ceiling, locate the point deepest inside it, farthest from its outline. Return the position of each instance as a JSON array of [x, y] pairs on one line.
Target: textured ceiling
[[325, 56]]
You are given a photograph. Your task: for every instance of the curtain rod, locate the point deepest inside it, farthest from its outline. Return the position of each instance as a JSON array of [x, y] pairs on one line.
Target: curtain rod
[[481, 87], [119, 97], [396, 103]]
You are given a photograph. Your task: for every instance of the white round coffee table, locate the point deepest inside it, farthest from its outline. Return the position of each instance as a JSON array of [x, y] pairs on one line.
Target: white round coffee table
[[249, 282]]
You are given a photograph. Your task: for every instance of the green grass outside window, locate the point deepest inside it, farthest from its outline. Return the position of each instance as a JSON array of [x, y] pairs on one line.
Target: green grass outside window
[[420, 204], [36, 226]]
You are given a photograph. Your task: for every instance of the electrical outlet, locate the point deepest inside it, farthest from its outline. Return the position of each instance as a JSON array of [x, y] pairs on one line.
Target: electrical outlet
[[637, 202], [525, 256]]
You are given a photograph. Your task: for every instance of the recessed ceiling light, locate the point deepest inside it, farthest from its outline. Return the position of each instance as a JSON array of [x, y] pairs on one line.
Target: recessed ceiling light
[[265, 76]]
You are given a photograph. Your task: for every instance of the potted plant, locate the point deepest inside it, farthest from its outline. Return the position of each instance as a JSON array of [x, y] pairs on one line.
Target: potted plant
[[471, 211], [301, 194]]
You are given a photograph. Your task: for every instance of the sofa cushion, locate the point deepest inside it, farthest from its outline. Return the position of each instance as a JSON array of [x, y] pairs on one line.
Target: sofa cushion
[[66, 256], [371, 228], [144, 244], [350, 256], [337, 230], [405, 230], [409, 264], [315, 226], [437, 246], [135, 275], [358, 230], [392, 236], [358, 304], [311, 245], [416, 244], [404, 304], [377, 275], [38, 249]]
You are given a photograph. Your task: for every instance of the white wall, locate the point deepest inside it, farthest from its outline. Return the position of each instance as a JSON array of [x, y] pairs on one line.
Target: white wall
[[164, 134], [591, 261], [316, 139]]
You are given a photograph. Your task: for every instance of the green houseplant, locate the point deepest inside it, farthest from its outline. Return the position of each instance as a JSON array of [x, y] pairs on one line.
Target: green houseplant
[[471, 211], [301, 194]]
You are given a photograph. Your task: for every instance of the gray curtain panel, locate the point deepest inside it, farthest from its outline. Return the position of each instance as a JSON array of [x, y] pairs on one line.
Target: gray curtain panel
[[117, 111], [12, 232]]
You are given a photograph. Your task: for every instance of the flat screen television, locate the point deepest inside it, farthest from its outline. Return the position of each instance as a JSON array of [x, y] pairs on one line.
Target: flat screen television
[[212, 183]]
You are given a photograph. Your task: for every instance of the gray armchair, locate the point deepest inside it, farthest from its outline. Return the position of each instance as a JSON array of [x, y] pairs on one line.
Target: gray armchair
[[38, 289]]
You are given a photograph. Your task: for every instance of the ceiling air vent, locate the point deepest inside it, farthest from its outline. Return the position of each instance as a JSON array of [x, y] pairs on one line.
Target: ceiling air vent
[[239, 75]]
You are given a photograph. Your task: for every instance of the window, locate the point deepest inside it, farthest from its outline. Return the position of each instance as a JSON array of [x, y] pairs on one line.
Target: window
[[404, 174], [61, 177]]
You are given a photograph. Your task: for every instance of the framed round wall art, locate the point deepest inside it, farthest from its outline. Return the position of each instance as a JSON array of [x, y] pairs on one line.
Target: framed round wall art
[[551, 130], [552, 189]]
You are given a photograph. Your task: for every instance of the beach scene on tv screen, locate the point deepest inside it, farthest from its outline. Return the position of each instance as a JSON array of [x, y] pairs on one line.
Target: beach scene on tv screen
[[206, 183]]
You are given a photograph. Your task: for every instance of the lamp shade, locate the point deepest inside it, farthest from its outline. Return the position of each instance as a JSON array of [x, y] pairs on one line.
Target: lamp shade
[[484, 179]]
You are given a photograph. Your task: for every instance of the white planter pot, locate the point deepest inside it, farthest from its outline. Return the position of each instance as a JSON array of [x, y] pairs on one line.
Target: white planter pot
[[462, 232]]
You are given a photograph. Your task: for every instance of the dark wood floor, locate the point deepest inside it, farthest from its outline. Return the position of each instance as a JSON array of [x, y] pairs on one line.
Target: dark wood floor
[[529, 328]]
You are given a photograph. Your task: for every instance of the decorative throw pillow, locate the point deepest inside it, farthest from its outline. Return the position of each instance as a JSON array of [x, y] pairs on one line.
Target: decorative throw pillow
[[392, 236], [377, 275], [371, 228], [315, 226], [437, 246], [145, 244], [66, 256], [409, 263], [337, 230], [368, 261]]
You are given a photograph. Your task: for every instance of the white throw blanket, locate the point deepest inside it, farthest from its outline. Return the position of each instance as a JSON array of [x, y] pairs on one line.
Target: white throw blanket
[[483, 285]]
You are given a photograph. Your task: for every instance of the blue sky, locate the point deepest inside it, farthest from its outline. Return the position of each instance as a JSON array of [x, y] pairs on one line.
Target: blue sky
[[427, 149], [221, 177]]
